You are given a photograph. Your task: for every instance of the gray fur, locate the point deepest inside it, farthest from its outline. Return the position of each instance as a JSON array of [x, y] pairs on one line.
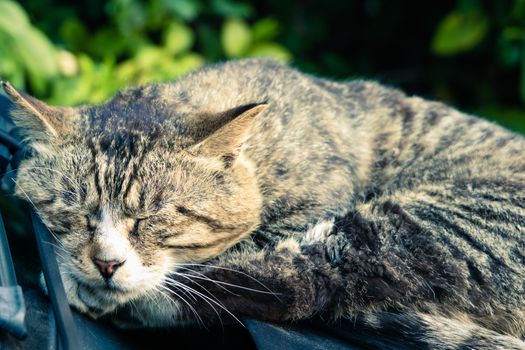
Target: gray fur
[[345, 200]]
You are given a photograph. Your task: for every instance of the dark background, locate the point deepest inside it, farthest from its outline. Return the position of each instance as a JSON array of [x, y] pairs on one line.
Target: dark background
[[468, 53]]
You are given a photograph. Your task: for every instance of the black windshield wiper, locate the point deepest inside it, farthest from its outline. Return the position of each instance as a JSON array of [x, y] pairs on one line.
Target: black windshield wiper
[[12, 305]]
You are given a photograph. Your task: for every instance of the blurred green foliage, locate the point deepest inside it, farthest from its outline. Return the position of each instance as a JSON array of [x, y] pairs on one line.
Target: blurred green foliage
[[138, 42], [470, 53]]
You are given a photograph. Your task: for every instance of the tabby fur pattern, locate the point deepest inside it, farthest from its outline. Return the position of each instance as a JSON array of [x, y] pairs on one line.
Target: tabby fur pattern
[[249, 189]]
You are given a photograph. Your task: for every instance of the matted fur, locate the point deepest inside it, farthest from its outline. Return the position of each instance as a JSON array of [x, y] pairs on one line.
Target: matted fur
[[249, 189]]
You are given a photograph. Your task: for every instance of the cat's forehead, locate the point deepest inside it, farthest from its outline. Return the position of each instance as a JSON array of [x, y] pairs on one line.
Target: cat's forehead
[[123, 112], [135, 118]]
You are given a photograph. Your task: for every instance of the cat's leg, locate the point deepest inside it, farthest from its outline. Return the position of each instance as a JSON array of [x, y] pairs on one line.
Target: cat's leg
[[301, 276], [434, 246], [282, 283], [274, 285], [291, 281]]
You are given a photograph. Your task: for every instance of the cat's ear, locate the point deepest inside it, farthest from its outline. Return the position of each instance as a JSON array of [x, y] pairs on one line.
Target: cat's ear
[[40, 122], [227, 140]]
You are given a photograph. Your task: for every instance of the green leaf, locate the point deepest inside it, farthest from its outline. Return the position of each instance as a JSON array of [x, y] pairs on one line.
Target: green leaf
[[513, 33], [28, 47], [149, 56], [509, 53], [10, 69], [459, 32], [95, 84], [518, 10], [265, 29], [12, 16], [185, 9], [183, 65], [128, 15], [74, 90], [271, 50], [227, 8], [38, 53], [108, 42], [236, 37], [209, 42], [74, 34], [178, 38]]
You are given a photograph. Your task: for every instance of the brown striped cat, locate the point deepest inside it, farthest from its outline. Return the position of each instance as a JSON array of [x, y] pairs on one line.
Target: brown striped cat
[[249, 189]]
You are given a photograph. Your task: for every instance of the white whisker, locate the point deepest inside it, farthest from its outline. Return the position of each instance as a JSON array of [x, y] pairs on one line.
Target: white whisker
[[199, 319], [179, 286], [236, 271], [189, 277], [167, 279], [60, 248], [171, 282], [221, 282]]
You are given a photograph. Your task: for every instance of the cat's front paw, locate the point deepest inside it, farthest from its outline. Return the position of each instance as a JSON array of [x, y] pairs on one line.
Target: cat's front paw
[[325, 239], [318, 233]]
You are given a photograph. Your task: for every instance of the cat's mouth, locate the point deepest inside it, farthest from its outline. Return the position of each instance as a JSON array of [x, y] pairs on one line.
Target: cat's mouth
[[99, 300], [111, 287], [107, 286], [97, 296], [92, 294]]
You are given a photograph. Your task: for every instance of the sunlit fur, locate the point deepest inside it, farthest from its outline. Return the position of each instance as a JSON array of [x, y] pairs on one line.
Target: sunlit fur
[[91, 188], [248, 189]]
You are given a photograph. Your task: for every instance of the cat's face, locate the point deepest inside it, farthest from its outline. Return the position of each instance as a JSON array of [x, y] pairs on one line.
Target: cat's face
[[127, 205]]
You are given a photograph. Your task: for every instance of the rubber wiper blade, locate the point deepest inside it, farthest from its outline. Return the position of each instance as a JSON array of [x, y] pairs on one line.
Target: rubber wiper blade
[[65, 323], [12, 305]]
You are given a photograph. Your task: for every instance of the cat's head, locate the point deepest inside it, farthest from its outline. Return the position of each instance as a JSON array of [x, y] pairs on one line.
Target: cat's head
[[131, 189]]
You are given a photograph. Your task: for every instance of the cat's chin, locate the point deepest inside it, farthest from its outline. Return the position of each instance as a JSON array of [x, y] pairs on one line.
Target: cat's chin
[[126, 310], [95, 301]]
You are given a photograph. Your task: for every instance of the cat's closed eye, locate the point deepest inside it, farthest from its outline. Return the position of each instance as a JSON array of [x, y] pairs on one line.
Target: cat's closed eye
[[90, 227], [135, 229]]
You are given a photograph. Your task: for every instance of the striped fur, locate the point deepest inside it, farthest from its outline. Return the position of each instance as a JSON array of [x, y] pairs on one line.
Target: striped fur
[[293, 197]]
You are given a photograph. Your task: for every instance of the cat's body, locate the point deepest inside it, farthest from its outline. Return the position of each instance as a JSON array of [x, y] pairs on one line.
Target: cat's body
[[345, 200]]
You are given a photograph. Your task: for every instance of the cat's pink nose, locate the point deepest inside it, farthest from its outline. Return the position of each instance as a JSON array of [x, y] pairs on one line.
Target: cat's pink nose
[[107, 268]]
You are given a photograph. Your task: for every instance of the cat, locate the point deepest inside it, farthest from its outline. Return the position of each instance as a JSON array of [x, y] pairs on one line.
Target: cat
[[249, 189]]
